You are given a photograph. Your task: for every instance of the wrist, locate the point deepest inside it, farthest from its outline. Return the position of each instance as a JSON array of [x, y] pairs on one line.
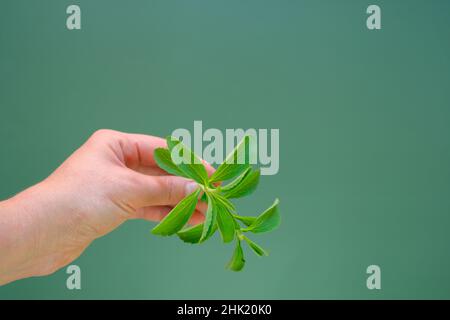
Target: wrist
[[19, 235]]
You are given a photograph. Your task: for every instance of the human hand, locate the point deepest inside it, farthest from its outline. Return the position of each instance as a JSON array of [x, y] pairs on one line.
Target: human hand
[[108, 180]]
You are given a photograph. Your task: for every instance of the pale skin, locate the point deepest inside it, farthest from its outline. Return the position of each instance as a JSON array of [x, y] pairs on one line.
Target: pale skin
[[110, 179]]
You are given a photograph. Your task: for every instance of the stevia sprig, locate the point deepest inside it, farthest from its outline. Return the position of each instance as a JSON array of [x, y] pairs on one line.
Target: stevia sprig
[[221, 213]]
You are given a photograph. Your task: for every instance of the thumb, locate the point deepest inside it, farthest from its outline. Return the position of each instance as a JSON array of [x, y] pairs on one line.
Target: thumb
[[159, 190]]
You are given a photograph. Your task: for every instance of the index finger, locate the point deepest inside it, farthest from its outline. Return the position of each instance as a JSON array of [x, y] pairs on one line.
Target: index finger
[[139, 150]]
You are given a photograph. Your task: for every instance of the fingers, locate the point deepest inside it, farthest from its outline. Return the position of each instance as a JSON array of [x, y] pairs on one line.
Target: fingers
[[158, 190], [151, 171], [157, 213], [137, 150], [143, 146], [202, 206], [130, 149]]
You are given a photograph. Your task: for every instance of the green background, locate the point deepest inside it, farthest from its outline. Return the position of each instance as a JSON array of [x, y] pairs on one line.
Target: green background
[[364, 126]]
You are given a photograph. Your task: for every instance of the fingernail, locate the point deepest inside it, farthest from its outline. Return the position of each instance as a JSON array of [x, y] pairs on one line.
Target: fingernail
[[191, 187]]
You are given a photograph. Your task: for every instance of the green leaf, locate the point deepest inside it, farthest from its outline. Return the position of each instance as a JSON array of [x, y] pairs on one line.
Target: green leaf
[[237, 261], [191, 234], [246, 220], [204, 198], [210, 220], [245, 184], [178, 217], [190, 164], [232, 167], [267, 221], [164, 161], [236, 181], [172, 142], [224, 201], [225, 221], [255, 247], [194, 233]]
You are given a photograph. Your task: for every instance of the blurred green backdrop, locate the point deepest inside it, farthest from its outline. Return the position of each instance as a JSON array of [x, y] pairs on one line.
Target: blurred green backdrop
[[364, 119]]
